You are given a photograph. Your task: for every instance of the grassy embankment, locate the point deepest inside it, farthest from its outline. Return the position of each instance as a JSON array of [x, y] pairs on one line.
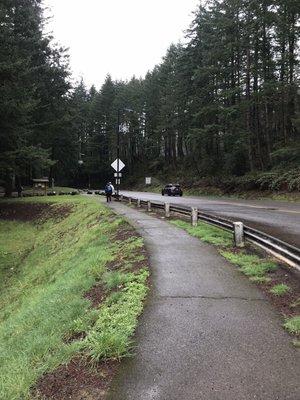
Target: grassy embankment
[[46, 268], [262, 271], [246, 195], [56, 189]]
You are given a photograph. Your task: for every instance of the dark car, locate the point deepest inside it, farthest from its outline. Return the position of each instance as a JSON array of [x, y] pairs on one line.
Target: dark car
[[172, 190]]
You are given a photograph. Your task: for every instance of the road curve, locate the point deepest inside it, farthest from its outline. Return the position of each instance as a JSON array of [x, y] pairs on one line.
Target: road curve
[[277, 218]]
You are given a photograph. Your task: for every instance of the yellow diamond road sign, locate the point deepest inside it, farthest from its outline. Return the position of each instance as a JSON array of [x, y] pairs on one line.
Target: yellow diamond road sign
[[115, 165]]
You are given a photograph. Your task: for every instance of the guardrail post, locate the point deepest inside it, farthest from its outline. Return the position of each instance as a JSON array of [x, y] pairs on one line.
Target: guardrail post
[[167, 210], [138, 203], [194, 216], [129, 200], [239, 240], [149, 205], [121, 197]]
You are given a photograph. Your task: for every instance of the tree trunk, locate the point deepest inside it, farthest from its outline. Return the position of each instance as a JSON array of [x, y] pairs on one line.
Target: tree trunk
[[8, 185], [248, 112]]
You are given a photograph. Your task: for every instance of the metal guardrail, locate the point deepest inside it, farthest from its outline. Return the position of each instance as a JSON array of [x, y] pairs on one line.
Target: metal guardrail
[[278, 248], [282, 250]]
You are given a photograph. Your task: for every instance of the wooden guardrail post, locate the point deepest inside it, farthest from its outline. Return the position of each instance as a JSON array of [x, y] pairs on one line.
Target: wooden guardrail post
[[149, 205], [138, 203], [167, 210], [239, 239], [129, 200], [194, 216]]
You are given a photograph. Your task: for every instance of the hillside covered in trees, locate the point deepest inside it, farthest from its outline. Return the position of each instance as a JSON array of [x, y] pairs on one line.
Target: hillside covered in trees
[[224, 107]]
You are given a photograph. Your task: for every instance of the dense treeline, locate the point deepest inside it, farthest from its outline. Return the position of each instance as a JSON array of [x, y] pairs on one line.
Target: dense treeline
[[225, 104], [35, 112]]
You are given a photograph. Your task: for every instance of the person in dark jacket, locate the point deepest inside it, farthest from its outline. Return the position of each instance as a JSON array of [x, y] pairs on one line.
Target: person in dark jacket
[[108, 191]]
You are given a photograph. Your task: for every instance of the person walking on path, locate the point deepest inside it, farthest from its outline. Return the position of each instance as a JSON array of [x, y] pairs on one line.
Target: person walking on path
[[109, 191]]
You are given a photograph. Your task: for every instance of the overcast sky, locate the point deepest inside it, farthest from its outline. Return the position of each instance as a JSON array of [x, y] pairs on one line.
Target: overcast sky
[[120, 37]]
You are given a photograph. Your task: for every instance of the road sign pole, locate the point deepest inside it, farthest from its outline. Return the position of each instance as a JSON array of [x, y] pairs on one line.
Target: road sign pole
[[118, 152], [120, 165]]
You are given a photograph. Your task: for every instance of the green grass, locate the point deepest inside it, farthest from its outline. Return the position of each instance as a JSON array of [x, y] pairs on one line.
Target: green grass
[[13, 247], [292, 325], [57, 189], [250, 265], [115, 279], [260, 280], [280, 289], [207, 233], [111, 335], [47, 268]]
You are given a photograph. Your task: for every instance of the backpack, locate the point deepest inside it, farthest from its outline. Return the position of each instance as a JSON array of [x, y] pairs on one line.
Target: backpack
[[108, 189]]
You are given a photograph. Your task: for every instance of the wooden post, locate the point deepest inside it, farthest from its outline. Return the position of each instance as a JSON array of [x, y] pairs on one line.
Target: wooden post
[[167, 210], [194, 216], [138, 203], [239, 240], [129, 200], [149, 205]]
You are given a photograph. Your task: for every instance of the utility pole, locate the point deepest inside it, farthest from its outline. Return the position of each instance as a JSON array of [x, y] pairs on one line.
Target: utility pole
[[118, 179]]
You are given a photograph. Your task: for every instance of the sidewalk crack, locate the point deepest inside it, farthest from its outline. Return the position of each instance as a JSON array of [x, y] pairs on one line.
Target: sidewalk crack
[[213, 298]]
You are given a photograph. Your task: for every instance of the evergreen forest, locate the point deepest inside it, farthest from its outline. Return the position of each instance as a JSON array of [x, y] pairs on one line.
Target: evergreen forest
[[222, 107]]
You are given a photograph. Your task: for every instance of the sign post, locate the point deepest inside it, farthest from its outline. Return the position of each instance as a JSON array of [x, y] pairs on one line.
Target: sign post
[[118, 165]]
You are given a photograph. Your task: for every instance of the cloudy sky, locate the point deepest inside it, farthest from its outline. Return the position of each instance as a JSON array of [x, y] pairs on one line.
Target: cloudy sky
[[120, 37]]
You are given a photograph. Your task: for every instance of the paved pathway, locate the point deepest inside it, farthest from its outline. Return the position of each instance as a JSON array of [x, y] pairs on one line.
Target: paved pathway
[[207, 333]]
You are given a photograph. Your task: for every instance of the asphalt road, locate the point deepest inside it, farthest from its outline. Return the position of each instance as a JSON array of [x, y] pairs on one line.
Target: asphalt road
[[207, 333], [277, 218]]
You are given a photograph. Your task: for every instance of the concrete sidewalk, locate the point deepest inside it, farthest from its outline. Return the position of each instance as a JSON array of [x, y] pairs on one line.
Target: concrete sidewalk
[[206, 333]]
